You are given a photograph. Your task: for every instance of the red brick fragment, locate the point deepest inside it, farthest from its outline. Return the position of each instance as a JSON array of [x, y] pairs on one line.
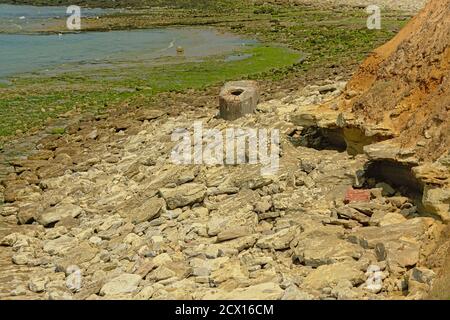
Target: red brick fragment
[[354, 195]]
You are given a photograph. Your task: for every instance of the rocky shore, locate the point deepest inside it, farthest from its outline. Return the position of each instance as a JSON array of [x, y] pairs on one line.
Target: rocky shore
[[106, 201], [358, 208]]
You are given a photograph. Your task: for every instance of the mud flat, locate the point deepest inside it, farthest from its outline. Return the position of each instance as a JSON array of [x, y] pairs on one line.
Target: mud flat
[[28, 53]]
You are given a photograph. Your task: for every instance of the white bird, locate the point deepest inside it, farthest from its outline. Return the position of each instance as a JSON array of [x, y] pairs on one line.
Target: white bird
[[171, 45]]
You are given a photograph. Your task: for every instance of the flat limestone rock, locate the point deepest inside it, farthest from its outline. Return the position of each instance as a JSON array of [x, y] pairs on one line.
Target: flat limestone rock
[[234, 233], [81, 253], [294, 293], [231, 271], [277, 241], [370, 236], [382, 151], [391, 218], [263, 291], [331, 275], [149, 210], [402, 254], [183, 195], [58, 213], [125, 283], [314, 115], [60, 245], [319, 251]]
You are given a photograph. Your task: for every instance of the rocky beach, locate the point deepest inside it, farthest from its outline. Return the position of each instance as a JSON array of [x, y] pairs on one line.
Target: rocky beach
[[92, 205]]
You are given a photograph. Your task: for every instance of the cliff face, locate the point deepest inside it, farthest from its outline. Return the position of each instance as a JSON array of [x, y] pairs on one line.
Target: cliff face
[[405, 84]]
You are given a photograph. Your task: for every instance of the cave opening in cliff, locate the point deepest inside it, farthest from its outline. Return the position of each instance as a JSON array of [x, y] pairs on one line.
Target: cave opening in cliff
[[320, 139], [398, 176]]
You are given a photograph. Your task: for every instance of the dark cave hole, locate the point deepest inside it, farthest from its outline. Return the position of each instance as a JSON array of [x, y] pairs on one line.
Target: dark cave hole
[[399, 176], [319, 139]]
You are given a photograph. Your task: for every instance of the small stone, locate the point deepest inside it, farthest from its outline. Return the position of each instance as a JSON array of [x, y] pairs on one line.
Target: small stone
[[380, 251], [233, 233], [294, 293], [161, 273], [73, 282], [27, 214], [422, 275], [59, 295], [147, 114], [95, 240], [6, 211], [323, 250], [37, 285], [162, 259], [437, 201], [211, 252], [145, 294], [201, 272], [387, 189], [145, 268], [262, 206], [202, 279], [391, 218], [23, 258], [307, 166], [344, 291], [20, 290]]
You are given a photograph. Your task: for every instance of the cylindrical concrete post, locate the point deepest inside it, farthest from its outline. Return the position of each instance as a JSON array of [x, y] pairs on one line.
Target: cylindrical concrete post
[[238, 98]]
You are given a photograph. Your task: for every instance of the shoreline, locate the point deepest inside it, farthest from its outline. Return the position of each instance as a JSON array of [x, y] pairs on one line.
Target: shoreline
[[273, 27]]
